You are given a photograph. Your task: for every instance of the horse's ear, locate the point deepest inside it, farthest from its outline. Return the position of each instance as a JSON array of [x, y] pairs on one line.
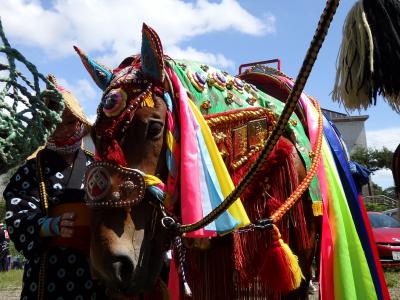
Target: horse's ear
[[152, 56], [100, 73]]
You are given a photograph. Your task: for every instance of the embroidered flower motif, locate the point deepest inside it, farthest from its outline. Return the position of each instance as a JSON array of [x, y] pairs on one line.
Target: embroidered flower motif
[[17, 222], [220, 81], [30, 229], [53, 259], [22, 238], [197, 79], [9, 214], [61, 273], [51, 287], [57, 186], [70, 286], [80, 272], [33, 286], [72, 259], [238, 84], [15, 201], [30, 246], [32, 205], [89, 284], [114, 102]]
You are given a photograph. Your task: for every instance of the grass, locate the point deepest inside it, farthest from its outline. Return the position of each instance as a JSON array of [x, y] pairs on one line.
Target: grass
[[392, 276], [11, 280]]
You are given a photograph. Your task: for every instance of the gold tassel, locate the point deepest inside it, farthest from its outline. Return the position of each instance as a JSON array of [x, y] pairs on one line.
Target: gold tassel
[[317, 208]]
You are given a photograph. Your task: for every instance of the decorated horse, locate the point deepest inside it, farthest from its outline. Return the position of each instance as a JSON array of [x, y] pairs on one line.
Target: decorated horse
[[173, 138], [191, 159]]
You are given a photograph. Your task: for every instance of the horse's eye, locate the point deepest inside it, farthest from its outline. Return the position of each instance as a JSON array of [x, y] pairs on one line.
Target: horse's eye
[[154, 130]]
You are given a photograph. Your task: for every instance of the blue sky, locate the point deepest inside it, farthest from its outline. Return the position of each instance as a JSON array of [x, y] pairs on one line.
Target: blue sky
[[222, 33]]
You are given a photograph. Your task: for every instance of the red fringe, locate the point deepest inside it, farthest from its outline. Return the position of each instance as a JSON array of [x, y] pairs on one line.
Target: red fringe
[[261, 199], [210, 272]]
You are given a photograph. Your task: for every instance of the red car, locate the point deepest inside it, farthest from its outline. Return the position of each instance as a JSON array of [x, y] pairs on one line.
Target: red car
[[387, 237]]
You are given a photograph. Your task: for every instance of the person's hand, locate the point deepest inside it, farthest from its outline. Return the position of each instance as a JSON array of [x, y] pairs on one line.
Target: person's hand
[[67, 224]]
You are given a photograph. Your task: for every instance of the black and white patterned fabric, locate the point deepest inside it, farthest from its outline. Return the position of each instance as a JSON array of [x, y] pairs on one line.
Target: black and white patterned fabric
[[67, 270]]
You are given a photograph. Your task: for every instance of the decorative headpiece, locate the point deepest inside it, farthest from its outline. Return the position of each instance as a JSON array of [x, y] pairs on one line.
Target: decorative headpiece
[[152, 55], [100, 73]]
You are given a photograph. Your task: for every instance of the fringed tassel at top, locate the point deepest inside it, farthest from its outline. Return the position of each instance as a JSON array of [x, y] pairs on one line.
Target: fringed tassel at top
[[369, 59], [353, 84], [384, 20]]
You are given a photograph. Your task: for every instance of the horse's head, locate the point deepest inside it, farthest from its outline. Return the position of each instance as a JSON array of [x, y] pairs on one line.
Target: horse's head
[[123, 185]]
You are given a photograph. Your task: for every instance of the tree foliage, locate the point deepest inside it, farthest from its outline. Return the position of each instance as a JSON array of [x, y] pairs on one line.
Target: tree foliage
[[373, 159]]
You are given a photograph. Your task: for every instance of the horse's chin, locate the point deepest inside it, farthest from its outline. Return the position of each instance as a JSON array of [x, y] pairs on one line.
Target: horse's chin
[[130, 291]]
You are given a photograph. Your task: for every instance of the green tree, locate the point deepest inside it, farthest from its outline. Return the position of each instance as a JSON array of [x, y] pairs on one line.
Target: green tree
[[373, 159]]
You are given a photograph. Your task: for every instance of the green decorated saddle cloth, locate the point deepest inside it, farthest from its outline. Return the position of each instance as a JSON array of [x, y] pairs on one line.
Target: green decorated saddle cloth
[[242, 115]]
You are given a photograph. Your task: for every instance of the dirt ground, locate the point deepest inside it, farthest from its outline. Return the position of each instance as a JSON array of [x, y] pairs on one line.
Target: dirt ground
[[14, 294], [10, 294]]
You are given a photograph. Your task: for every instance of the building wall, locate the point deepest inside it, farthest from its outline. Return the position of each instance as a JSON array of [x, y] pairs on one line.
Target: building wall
[[353, 133]]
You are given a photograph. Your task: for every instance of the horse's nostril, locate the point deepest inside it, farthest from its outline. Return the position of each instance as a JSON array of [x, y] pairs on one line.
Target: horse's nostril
[[123, 268]]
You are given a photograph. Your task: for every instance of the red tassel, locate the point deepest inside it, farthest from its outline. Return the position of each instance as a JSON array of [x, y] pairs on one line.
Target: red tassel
[[115, 154], [281, 267]]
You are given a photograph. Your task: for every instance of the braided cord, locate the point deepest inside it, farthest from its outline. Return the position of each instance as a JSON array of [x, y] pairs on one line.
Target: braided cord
[[45, 204], [280, 126], [284, 208], [25, 120]]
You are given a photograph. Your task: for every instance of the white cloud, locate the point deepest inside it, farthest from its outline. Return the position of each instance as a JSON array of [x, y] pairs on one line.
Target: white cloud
[[383, 178], [84, 92], [205, 57], [388, 137], [92, 118], [113, 28], [82, 89]]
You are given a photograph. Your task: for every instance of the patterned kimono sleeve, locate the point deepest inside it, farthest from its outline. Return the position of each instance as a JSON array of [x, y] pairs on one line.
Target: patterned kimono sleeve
[[23, 210]]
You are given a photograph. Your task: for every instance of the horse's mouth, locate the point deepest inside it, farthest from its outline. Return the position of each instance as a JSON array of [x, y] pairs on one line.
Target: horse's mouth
[[127, 291], [122, 293]]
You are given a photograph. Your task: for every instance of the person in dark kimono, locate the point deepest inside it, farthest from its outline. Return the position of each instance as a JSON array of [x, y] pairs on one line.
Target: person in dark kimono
[[4, 248], [46, 216]]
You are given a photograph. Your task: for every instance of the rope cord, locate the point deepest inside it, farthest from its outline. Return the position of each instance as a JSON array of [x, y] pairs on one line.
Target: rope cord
[[284, 208], [25, 120], [280, 127], [45, 204]]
